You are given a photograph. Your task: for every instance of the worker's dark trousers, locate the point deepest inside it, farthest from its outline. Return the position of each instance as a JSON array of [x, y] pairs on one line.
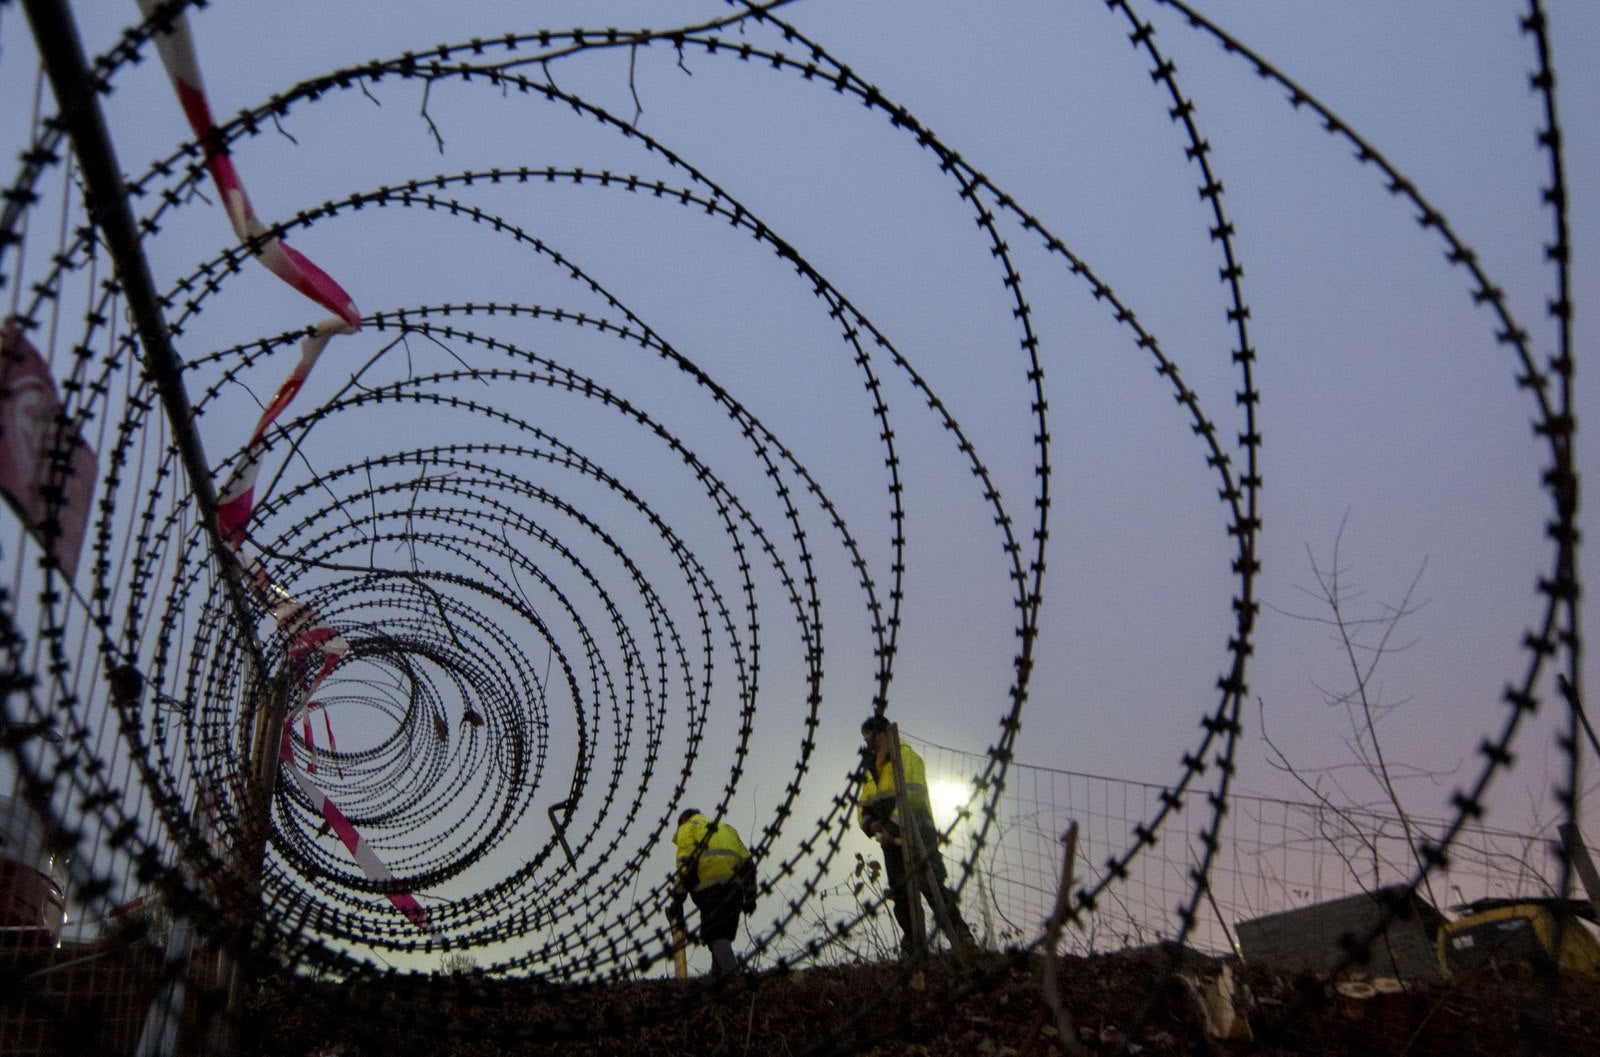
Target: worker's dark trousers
[[894, 862], [720, 905]]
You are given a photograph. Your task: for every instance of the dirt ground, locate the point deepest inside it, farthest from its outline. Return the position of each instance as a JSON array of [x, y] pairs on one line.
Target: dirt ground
[[988, 1005]]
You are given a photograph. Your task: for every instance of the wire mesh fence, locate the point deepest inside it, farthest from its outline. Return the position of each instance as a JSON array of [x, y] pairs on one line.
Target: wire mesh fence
[[1275, 855]]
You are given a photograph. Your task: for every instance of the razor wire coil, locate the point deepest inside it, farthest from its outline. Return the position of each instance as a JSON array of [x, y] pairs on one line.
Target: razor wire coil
[[426, 638]]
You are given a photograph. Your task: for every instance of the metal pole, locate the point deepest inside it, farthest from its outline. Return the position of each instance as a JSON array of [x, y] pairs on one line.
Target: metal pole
[[61, 53]]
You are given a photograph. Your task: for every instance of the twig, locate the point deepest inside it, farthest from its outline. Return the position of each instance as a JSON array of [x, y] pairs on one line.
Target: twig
[[1362, 711], [638, 107], [283, 131], [427, 87], [452, 354]]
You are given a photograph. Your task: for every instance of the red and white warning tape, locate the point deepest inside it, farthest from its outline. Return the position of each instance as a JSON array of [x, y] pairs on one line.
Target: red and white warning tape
[[176, 47], [236, 498], [308, 633]]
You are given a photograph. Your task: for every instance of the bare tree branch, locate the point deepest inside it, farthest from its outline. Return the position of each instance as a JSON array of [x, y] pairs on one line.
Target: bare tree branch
[[1365, 641]]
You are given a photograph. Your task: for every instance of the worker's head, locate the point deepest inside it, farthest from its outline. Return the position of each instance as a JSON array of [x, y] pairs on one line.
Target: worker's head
[[687, 814], [875, 731]]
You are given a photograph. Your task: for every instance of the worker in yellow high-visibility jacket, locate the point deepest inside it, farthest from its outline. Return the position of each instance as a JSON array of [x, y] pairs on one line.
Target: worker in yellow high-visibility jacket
[[881, 821], [714, 868]]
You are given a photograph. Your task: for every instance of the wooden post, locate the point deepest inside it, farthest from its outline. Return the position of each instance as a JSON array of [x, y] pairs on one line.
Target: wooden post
[[214, 970], [680, 927], [1065, 1030], [909, 847], [936, 892], [1578, 856], [919, 859], [680, 953]]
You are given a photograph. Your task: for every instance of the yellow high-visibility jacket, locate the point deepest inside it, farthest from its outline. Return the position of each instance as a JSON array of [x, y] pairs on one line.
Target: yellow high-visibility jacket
[[877, 791], [715, 862]]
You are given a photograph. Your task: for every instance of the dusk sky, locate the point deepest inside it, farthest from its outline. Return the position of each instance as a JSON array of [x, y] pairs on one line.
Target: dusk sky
[[1388, 411]]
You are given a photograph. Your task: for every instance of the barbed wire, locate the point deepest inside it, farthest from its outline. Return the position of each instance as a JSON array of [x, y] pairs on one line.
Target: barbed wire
[[541, 630]]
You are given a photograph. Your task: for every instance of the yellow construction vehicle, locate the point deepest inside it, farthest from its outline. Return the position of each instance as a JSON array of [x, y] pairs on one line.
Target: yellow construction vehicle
[[1520, 930]]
